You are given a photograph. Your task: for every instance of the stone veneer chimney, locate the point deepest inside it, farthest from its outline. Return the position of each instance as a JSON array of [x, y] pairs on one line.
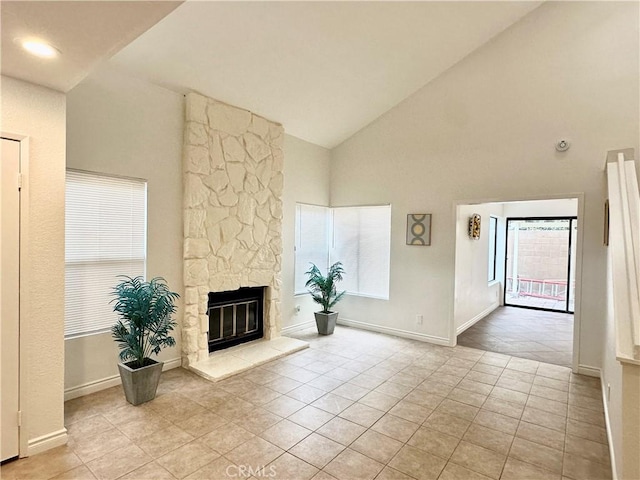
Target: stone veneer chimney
[[233, 163]]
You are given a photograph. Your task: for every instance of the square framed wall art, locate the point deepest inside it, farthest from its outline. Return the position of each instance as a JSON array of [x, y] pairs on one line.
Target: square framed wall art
[[419, 229]]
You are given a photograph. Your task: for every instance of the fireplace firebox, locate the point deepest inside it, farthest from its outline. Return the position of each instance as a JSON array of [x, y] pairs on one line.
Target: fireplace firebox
[[235, 317]]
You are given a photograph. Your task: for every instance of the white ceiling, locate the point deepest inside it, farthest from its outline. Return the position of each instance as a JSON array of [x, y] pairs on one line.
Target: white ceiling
[[84, 32], [323, 69]]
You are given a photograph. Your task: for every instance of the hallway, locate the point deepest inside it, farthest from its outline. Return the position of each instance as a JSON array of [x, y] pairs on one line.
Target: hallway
[[533, 334]]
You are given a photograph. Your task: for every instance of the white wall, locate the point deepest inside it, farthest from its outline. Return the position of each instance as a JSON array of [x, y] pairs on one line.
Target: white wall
[[620, 374], [39, 113], [475, 297], [561, 207], [306, 180], [485, 131], [122, 126], [621, 384]]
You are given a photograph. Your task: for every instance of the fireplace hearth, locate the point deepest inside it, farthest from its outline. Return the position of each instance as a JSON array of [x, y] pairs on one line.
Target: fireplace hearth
[[235, 317]]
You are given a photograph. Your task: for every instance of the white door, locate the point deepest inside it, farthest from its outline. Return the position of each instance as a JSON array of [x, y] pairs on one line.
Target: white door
[[9, 296]]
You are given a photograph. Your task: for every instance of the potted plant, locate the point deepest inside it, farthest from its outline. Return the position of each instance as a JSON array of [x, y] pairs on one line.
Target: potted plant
[[144, 328], [323, 291]]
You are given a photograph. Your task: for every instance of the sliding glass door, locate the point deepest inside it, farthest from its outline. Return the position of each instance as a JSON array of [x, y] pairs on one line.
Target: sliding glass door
[[540, 263]]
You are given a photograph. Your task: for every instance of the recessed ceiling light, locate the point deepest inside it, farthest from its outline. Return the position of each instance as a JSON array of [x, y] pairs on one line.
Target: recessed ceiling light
[[39, 49]]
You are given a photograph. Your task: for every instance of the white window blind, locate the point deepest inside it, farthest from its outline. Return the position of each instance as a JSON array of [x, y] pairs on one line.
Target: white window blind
[[312, 241], [362, 242], [105, 228]]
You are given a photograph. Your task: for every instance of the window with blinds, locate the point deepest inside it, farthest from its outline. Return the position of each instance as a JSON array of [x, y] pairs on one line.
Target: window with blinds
[[362, 242], [312, 241], [359, 237], [105, 228]]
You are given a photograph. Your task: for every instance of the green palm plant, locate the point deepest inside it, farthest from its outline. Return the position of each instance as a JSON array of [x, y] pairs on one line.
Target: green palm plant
[[145, 325], [323, 289]]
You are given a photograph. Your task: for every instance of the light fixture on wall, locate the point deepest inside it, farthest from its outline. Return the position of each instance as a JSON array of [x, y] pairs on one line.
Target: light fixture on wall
[[474, 226], [38, 48]]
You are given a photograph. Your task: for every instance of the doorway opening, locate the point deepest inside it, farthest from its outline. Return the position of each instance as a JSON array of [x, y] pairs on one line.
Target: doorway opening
[[517, 286], [540, 263]]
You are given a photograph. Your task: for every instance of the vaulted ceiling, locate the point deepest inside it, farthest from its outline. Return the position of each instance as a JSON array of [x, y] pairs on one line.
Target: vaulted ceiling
[[322, 69]]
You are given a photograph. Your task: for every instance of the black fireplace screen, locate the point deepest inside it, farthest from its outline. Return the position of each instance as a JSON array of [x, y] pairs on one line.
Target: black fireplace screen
[[235, 317]]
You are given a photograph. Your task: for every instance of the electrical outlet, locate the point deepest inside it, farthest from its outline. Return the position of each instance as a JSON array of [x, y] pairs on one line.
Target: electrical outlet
[[418, 319], [297, 309]]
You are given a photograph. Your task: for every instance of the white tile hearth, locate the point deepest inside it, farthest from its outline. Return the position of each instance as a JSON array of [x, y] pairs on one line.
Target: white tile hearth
[[224, 363]]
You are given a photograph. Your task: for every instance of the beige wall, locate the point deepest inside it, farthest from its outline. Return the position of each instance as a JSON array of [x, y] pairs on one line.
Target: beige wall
[[306, 180], [561, 207], [122, 126], [475, 297], [39, 113], [485, 131]]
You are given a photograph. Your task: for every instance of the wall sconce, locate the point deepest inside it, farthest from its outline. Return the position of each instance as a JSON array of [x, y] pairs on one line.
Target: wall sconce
[[474, 226]]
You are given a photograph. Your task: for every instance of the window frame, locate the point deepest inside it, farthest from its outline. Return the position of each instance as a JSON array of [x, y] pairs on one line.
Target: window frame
[[297, 241], [144, 259], [330, 226], [332, 246], [493, 219]]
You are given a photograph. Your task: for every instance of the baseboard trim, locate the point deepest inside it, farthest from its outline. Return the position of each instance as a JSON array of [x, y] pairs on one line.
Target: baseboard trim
[[423, 337], [47, 442], [297, 327], [589, 371], [91, 387], [477, 318], [108, 382], [607, 424], [171, 364]]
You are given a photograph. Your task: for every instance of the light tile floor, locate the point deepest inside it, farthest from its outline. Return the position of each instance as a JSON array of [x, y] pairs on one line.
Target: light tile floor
[[524, 333], [356, 405]]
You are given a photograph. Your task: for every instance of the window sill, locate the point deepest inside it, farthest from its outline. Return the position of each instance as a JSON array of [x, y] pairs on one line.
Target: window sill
[[87, 334], [349, 294], [363, 295]]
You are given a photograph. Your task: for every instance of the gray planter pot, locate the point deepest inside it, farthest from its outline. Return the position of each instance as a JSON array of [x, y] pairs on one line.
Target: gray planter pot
[[326, 322], [140, 384]]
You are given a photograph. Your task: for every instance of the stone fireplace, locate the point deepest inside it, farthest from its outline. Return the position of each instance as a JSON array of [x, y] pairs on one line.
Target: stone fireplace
[[233, 181]]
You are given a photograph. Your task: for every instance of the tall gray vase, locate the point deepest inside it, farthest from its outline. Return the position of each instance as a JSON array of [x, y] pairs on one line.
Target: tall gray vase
[[140, 384], [326, 322]]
